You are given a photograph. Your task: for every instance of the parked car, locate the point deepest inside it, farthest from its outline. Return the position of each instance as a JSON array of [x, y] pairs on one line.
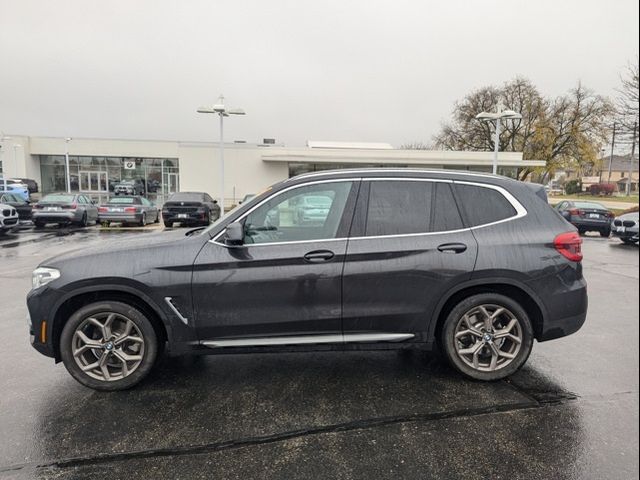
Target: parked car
[[31, 184], [406, 259], [22, 207], [312, 209], [64, 209], [13, 186], [190, 208], [625, 227], [8, 218], [587, 216], [129, 187], [129, 209]]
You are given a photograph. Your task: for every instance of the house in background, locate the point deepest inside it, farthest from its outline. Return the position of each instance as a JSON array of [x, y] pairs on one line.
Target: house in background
[[620, 172]]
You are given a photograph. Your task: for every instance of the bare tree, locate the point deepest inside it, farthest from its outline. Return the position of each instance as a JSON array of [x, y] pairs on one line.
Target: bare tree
[[416, 146], [627, 101], [566, 131]]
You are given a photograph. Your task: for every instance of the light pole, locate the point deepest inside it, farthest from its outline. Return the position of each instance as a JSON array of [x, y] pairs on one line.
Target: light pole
[[222, 111], [16, 146], [498, 117], [66, 164], [4, 166]]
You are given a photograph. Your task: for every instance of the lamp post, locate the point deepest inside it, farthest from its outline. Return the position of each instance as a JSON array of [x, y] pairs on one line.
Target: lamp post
[[4, 172], [498, 116], [66, 164], [222, 111]]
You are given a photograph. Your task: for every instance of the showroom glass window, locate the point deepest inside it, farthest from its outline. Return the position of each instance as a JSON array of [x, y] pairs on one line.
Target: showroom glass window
[[310, 212]]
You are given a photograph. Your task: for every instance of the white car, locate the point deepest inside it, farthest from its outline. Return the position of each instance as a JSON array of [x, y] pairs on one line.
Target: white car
[[8, 218]]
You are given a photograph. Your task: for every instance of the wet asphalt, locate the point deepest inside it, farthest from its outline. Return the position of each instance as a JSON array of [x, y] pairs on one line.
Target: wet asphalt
[[571, 412]]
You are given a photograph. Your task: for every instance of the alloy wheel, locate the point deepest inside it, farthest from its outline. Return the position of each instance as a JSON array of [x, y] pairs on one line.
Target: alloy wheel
[[108, 346], [488, 337]]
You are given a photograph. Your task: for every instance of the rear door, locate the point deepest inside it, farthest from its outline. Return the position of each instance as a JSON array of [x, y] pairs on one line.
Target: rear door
[[407, 248]]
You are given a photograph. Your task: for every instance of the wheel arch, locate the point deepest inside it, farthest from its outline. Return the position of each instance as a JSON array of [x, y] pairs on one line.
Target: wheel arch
[[112, 293], [508, 287]]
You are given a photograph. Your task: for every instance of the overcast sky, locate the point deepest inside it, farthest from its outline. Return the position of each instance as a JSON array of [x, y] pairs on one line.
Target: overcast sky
[[380, 71]]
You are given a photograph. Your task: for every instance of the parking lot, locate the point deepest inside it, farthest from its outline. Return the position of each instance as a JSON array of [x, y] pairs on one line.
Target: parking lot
[[572, 412]]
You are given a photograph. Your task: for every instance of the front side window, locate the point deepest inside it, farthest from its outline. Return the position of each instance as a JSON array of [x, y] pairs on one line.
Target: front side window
[[311, 212]]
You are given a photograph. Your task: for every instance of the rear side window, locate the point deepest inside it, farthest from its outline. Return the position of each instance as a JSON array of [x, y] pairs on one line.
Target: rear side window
[[398, 207], [482, 205], [446, 216]]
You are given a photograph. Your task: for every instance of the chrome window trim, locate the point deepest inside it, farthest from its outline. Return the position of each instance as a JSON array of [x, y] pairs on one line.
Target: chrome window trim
[[307, 340], [518, 207]]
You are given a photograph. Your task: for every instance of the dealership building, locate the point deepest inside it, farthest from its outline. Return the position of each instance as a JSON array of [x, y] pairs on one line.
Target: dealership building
[[165, 167]]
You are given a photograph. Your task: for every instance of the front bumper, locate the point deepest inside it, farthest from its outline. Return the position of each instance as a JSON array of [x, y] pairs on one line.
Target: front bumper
[[629, 233], [39, 304]]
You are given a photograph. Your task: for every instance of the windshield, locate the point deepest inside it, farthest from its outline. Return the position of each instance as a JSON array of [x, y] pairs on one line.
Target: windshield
[[58, 198], [185, 197], [124, 200]]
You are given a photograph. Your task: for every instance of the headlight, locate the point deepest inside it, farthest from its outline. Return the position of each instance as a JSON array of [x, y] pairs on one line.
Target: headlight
[[43, 275]]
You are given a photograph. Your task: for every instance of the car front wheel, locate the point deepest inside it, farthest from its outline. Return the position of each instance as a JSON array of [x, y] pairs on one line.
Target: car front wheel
[[108, 346], [487, 336]]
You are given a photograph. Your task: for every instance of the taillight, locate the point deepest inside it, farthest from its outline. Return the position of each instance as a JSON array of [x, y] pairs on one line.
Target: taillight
[[72, 206], [575, 211], [103, 209], [130, 209], [37, 206], [569, 245]]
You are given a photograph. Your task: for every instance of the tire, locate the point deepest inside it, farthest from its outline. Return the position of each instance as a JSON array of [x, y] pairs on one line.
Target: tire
[[143, 220], [83, 222], [142, 357], [606, 233], [157, 220], [168, 224], [483, 343], [38, 225], [581, 231]]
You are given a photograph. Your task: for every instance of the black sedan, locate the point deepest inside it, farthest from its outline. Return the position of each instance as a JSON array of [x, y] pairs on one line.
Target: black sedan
[[23, 207], [587, 216], [190, 208], [128, 210]]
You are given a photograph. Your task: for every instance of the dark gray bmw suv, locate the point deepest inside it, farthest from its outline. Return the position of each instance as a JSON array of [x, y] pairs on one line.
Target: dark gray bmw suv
[[475, 264]]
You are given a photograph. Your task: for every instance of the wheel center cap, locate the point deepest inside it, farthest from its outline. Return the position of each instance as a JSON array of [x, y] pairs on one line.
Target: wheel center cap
[[108, 346], [487, 337]]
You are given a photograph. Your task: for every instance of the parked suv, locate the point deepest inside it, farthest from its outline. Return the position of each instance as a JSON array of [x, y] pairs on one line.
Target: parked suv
[[477, 264]]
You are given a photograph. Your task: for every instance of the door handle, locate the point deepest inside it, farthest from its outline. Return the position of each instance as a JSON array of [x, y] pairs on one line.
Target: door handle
[[319, 256], [452, 248]]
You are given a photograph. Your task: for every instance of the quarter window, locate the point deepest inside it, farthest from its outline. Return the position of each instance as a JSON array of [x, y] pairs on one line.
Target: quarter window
[[311, 212], [482, 205]]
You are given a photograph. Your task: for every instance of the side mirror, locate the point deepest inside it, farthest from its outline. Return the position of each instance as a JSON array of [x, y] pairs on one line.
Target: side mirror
[[234, 234]]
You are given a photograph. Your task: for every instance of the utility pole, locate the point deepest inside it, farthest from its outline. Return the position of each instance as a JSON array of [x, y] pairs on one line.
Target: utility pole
[[633, 156], [613, 143]]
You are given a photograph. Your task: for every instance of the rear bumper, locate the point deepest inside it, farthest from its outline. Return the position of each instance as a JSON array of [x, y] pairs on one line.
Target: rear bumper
[[566, 310], [54, 217], [595, 224], [191, 217], [120, 217]]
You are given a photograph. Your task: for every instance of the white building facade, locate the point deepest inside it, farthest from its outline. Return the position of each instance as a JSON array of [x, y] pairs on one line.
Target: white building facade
[[95, 165]]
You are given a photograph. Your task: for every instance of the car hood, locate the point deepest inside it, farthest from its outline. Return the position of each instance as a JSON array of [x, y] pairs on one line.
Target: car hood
[[124, 245], [629, 216]]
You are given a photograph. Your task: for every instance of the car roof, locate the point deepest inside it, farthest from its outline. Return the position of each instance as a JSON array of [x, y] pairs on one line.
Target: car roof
[[459, 175]]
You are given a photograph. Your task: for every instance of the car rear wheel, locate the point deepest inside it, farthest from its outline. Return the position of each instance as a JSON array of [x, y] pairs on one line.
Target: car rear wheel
[[83, 221], [143, 220], [606, 233], [108, 346], [38, 224], [487, 337], [168, 224]]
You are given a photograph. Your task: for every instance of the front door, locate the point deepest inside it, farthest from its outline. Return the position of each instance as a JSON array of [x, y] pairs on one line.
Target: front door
[[408, 248], [286, 278]]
